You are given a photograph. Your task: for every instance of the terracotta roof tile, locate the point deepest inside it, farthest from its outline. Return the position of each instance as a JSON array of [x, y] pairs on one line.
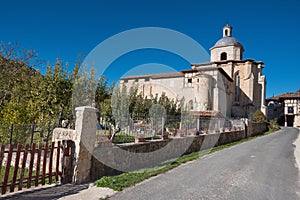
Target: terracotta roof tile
[[155, 76], [289, 95]]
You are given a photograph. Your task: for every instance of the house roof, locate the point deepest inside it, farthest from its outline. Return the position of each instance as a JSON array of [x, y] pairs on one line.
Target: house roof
[[288, 95]]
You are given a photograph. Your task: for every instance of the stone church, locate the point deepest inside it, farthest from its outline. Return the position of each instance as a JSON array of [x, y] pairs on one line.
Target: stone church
[[227, 84]]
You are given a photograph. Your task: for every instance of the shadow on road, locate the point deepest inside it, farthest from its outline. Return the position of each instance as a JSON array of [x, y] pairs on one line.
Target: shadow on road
[[54, 192]]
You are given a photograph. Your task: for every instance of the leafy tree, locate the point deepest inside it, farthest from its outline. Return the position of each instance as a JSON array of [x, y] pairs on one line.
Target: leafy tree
[[54, 95], [17, 92], [120, 106]]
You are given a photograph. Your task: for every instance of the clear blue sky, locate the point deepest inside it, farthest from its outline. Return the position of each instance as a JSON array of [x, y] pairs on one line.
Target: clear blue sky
[[268, 30]]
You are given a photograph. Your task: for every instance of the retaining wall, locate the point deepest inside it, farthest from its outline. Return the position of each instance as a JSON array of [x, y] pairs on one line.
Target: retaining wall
[[90, 163], [256, 128], [133, 156]]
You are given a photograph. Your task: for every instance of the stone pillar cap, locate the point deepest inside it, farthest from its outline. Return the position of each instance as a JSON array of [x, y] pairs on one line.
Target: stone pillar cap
[[88, 108]]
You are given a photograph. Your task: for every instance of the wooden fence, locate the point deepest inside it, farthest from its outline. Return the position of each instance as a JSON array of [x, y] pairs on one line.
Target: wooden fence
[[33, 165]]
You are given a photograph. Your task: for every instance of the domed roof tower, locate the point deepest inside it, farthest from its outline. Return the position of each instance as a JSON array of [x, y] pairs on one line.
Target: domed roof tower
[[227, 48]]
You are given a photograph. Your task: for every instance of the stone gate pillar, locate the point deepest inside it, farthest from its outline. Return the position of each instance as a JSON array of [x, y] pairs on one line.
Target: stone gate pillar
[[83, 137], [85, 127]]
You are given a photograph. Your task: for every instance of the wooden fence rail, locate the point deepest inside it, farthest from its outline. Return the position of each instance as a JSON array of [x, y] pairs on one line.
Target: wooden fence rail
[[31, 166]]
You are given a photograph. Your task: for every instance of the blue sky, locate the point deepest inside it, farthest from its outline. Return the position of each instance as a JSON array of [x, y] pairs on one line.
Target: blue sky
[[268, 30]]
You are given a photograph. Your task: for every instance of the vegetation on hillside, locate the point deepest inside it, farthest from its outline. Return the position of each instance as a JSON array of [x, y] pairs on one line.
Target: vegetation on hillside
[[29, 97]]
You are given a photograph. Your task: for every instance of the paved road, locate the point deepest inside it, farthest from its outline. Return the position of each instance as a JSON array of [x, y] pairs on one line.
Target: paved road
[[46, 192], [260, 169]]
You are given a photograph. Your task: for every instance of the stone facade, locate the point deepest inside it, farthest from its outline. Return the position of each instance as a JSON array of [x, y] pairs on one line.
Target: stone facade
[[227, 84]]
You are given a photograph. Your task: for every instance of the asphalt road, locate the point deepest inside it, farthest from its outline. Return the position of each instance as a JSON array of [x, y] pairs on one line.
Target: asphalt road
[[263, 168]]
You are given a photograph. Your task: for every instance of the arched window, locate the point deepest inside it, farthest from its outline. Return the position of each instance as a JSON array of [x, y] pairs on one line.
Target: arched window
[[191, 105], [226, 32], [223, 56], [237, 91]]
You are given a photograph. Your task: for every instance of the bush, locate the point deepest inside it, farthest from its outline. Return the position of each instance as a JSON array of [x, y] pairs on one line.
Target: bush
[[259, 116], [122, 138], [273, 125]]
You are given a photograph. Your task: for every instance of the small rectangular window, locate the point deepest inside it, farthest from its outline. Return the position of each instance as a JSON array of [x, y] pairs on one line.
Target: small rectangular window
[[136, 80], [147, 79], [125, 80], [189, 80], [290, 110]]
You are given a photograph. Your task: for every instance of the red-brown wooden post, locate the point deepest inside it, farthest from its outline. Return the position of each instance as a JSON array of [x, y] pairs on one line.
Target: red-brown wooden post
[[2, 149], [65, 163], [23, 166], [44, 163], [31, 165], [38, 164], [68, 162], [17, 160], [57, 161], [7, 168], [51, 162]]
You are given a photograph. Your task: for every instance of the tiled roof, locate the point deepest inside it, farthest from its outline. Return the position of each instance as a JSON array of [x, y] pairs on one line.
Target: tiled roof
[[209, 68], [226, 61], [155, 76], [289, 95]]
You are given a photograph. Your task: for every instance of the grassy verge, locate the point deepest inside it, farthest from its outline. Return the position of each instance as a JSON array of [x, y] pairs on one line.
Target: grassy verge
[[125, 180]]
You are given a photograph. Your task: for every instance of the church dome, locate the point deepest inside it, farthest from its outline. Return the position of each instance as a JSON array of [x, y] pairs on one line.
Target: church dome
[[227, 48], [225, 41]]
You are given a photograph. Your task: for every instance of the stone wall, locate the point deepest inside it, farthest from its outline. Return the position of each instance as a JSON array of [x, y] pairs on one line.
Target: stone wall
[[297, 121], [149, 154], [90, 163], [256, 128]]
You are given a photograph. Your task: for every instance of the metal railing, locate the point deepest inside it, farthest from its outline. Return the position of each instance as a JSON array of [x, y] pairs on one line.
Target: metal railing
[[25, 133]]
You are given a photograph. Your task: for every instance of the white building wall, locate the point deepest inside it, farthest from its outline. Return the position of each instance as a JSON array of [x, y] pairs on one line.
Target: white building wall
[[233, 53]]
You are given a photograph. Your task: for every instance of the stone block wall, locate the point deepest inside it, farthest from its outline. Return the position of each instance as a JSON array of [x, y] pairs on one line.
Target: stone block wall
[[256, 128], [92, 163], [149, 154], [297, 121]]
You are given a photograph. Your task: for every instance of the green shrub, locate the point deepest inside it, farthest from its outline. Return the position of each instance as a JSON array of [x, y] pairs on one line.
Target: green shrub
[[122, 138], [259, 116], [273, 125]]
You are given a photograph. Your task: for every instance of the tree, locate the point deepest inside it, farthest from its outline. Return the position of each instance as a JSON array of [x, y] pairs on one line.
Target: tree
[[120, 106], [18, 84], [54, 96]]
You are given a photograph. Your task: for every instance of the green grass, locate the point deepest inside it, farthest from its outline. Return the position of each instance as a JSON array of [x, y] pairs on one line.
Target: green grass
[[11, 171], [26, 174], [128, 179]]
